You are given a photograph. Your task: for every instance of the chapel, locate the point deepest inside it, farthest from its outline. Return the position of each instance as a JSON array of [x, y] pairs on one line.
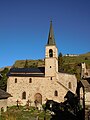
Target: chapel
[[84, 90], [41, 83]]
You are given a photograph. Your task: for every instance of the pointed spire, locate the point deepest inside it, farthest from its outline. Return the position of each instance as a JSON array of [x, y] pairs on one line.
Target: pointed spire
[[51, 40]]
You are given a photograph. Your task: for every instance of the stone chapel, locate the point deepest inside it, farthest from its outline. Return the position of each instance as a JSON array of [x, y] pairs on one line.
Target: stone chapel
[[41, 83]]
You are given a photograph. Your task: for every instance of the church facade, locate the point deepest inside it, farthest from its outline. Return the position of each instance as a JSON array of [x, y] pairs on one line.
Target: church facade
[[41, 83]]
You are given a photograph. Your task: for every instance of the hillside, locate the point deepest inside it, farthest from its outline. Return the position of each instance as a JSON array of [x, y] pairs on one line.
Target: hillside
[[77, 59], [30, 63], [71, 64], [66, 60], [1, 69]]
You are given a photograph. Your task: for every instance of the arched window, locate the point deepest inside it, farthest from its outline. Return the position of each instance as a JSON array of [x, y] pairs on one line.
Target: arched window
[[51, 78], [50, 53], [30, 80], [24, 95], [15, 80], [69, 85], [56, 93]]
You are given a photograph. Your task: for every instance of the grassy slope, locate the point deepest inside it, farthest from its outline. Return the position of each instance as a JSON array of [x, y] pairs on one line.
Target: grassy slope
[[70, 64], [31, 63], [73, 64], [78, 59], [66, 60]]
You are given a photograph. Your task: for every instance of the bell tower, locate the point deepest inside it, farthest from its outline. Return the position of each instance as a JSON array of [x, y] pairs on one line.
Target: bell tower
[[51, 55]]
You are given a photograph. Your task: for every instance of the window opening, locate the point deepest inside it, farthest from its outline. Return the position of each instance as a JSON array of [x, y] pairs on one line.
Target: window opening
[[69, 85], [15, 80], [24, 95], [30, 80], [51, 78], [56, 93], [50, 53]]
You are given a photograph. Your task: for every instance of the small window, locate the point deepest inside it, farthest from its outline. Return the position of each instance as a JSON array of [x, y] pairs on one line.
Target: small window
[[15, 80], [30, 80], [69, 85], [24, 95], [51, 78], [56, 93]]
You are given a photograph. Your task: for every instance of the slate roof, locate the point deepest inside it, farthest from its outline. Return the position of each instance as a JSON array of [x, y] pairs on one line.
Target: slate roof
[[27, 72], [4, 95], [86, 85], [51, 39]]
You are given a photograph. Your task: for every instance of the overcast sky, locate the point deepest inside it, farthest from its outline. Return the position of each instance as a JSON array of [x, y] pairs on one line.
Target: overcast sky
[[24, 27]]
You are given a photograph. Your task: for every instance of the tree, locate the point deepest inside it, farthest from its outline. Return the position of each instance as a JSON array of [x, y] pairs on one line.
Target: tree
[[60, 61], [26, 64], [3, 81]]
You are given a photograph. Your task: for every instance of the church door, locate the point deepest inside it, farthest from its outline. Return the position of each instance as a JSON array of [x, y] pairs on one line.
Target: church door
[[38, 98]]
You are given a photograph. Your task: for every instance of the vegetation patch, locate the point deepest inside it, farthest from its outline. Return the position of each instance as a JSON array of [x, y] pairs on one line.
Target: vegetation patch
[[13, 113]]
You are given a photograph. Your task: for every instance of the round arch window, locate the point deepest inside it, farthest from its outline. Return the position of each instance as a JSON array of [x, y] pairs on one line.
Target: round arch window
[[24, 95], [56, 93], [50, 53]]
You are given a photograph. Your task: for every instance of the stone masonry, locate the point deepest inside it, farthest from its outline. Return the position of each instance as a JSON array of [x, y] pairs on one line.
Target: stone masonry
[[40, 84]]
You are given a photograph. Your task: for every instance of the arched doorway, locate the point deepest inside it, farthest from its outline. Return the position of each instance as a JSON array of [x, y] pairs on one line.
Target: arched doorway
[[38, 98]]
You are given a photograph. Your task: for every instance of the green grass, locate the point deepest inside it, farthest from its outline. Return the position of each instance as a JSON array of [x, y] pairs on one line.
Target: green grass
[[77, 59], [31, 63], [22, 113]]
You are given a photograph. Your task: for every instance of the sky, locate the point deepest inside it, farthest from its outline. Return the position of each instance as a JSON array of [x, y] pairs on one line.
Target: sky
[[24, 28]]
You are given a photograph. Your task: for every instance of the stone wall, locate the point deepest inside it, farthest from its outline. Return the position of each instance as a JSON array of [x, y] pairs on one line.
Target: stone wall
[[65, 79], [42, 85], [87, 98]]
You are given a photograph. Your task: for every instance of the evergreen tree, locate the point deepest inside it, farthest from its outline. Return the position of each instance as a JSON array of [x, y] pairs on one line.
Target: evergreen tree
[[26, 64], [3, 81], [60, 61]]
